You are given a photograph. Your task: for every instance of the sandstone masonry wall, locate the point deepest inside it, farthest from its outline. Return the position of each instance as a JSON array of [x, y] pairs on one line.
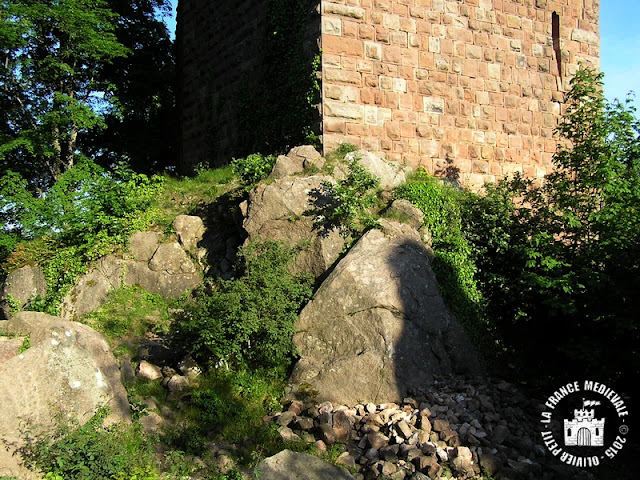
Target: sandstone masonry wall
[[479, 83], [218, 45], [474, 81]]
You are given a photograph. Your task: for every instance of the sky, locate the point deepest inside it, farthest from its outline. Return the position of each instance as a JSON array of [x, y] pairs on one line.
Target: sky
[[619, 46]]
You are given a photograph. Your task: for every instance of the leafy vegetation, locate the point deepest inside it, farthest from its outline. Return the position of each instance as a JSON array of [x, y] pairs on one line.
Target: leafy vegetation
[[92, 451], [63, 64], [558, 263], [453, 263], [346, 205], [86, 214], [246, 322], [253, 168], [231, 405], [130, 312]]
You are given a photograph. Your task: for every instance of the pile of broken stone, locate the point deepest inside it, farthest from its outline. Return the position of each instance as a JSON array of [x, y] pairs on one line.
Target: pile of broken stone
[[456, 428]]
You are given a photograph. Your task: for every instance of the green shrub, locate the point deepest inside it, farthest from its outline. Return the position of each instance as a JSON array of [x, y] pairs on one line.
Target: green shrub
[[26, 345], [85, 215], [346, 205], [8, 243], [246, 322], [558, 263], [253, 168], [230, 404], [92, 452], [453, 263]]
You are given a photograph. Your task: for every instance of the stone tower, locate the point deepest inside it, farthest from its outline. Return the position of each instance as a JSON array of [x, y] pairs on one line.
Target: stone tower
[[478, 83]]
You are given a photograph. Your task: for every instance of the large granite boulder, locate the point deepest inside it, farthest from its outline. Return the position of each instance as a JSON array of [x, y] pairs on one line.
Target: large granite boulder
[[286, 167], [21, 285], [378, 326], [92, 289], [288, 465], [306, 155], [9, 346], [190, 230], [277, 212], [142, 245], [390, 174], [165, 269], [68, 372]]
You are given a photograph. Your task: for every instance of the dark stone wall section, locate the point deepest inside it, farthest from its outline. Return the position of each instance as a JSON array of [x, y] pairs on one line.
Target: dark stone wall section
[[218, 45]]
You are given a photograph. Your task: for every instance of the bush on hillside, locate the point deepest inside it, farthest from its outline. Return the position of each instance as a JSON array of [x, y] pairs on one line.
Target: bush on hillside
[[247, 322], [86, 214], [559, 264], [452, 264], [346, 205], [91, 451], [253, 168]]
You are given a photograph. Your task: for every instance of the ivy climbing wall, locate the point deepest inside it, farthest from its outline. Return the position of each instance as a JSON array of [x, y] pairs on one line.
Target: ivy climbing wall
[[475, 83], [248, 77], [218, 46]]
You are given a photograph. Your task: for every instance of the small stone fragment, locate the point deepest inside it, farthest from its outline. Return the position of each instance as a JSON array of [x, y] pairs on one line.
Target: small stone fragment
[[377, 440], [148, 371], [286, 418]]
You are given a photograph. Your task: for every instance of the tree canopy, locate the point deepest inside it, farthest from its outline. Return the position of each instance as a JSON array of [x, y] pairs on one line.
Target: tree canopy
[[70, 68]]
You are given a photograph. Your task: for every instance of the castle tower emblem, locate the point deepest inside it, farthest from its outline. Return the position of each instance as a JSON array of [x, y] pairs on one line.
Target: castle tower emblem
[[584, 430]]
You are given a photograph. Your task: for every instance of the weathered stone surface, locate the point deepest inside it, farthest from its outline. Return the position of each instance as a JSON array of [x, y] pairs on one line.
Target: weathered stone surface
[[377, 440], [190, 230], [286, 418], [92, 289], [288, 435], [404, 211], [288, 465], [307, 155], [9, 347], [490, 463], [177, 383], [161, 283], [390, 174], [68, 369], [148, 371], [463, 463], [189, 368], [500, 434], [328, 434], [341, 426], [457, 405], [286, 166], [21, 285], [379, 313], [276, 211], [127, 372], [152, 423], [172, 259], [142, 245]]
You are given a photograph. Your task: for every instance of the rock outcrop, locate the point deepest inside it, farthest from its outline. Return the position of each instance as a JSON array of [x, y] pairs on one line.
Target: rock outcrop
[[162, 268], [378, 326], [68, 372], [288, 465], [190, 230], [277, 211], [20, 286], [390, 174], [92, 289]]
